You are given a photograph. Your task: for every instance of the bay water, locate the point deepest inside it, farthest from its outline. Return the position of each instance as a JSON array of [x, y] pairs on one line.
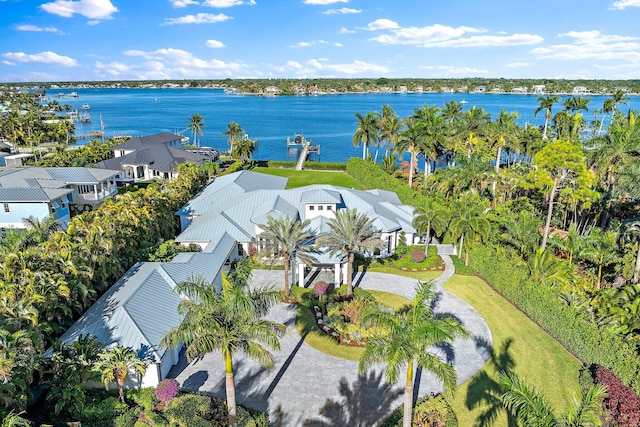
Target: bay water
[[327, 120]]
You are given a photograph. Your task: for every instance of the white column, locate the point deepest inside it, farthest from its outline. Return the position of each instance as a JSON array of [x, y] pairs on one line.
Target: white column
[[344, 273], [336, 274], [301, 274]]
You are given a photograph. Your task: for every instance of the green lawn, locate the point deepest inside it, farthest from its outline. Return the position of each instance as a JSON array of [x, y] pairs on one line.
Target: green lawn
[[532, 353], [305, 177]]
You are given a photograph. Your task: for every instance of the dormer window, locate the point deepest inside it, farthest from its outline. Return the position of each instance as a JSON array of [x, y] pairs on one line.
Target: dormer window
[[329, 207], [320, 207], [311, 207]]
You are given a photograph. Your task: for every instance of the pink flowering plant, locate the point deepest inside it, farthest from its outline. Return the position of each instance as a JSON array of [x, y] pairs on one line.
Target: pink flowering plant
[[167, 390]]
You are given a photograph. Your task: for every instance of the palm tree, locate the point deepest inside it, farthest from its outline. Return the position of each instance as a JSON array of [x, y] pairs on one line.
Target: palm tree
[[576, 103], [407, 338], [546, 104], [291, 238], [529, 407], [431, 215], [366, 132], [351, 232], [600, 248], [452, 111], [196, 125], [231, 321], [611, 105], [433, 127], [114, 365], [632, 233], [243, 149], [469, 222], [234, 132], [545, 268], [409, 139], [389, 126]]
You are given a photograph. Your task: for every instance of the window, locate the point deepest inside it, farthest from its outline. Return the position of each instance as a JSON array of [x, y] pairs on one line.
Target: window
[[311, 207], [85, 189], [329, 207], [320, 207], [63, 205], [6, 208], [240, 250], [140, 172]]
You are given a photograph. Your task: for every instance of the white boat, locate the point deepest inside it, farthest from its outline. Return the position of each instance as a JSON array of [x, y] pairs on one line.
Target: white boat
[[73, 94], [86, 107], [464, 101]]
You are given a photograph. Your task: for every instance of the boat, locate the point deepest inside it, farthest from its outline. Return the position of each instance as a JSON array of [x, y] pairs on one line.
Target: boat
[[464, 101], [85, 118], [86, 107], [73, 94]]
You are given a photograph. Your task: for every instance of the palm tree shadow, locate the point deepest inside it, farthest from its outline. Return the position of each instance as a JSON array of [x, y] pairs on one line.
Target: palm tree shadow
[[485, 392], [367, 402]]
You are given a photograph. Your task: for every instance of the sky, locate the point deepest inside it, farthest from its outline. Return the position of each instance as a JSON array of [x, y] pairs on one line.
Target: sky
[[80, 40]]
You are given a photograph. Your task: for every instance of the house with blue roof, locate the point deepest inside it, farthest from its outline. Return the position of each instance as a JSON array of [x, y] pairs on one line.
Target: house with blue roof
[[225, 220], [57, 192]]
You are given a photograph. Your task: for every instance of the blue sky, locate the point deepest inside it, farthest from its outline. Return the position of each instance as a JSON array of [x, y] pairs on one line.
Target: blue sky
[[69, 40]]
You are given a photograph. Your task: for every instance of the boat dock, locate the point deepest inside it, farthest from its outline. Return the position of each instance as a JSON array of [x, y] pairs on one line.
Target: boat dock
[[306, 149]]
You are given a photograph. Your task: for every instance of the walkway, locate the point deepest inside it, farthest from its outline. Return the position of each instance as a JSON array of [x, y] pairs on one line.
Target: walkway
[[308, 385]]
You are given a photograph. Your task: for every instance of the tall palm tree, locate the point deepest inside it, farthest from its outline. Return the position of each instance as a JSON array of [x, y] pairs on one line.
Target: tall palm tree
[[196, 125], [389, 126], [546, 104], [576, 103], [234, 132], [366, 132], [452, 111], [230, 321], [114, 365], [600, 249], [406, 339], [530, 408], [434, 132], [611, 105], [432, 215], [351, 232], [468, 222], [632, 233], [291, 238], [409, 140]]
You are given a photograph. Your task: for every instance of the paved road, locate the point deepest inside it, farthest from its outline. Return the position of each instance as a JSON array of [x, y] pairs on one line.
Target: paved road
[[307, 385]]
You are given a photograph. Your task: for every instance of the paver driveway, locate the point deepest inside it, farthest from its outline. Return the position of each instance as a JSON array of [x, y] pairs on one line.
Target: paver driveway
[[308, 385]]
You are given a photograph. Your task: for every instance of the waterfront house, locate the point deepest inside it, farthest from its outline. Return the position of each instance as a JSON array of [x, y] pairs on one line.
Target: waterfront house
[[150, 157], [521, 90], [224, 220], [239, 203], [57, 192], [480, 89], [580, 90], [538, 89]]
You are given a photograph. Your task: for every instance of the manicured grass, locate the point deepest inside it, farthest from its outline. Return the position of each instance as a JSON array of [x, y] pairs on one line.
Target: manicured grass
[[307, 327], [530, 353], [305, 177]]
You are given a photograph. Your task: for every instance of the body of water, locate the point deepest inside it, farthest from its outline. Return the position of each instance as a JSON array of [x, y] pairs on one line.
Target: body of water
[[327, 120]]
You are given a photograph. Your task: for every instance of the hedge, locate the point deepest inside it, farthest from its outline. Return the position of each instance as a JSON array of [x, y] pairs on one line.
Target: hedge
[[320, 166], [372, 176], [572, 328]]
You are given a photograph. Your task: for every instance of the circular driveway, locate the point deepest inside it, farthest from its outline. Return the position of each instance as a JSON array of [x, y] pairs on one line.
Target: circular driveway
[[308, 387]]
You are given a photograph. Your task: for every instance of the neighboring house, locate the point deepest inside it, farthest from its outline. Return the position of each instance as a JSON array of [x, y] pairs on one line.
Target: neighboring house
[[151, 157], [141, 307], [580, 90], [538, 89], [239, 203], [57, 192]]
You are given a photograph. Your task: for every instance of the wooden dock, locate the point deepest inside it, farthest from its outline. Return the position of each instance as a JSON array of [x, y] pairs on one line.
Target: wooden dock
[[306, 149]]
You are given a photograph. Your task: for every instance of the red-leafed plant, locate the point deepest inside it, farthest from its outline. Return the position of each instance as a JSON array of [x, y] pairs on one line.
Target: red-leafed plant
[[622, 403], [418, 256]]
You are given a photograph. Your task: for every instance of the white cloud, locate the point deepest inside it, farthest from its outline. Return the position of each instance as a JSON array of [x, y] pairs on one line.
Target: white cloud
[[592, 45], [438, 35], [324, 2], [341, 11], [345, 30], [92, 9], [308, 44], [450, 69], [178, 58], [382, 24], [214, 44], [42, 57], [338, 44], [182, 3], [200, 18], [518, 64], [623, 4], [38, 29], [222, 3]]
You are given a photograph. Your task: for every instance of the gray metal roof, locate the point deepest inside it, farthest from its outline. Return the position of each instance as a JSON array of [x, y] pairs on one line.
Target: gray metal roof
[[321, 196], [81, 175]]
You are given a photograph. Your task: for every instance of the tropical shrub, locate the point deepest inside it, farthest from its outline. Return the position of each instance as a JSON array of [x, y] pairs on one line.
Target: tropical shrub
[[321, 288], [129, 418], [167, 390], [99, 409], [188, 410], [144, 397], [401, 247], [429, 411]]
